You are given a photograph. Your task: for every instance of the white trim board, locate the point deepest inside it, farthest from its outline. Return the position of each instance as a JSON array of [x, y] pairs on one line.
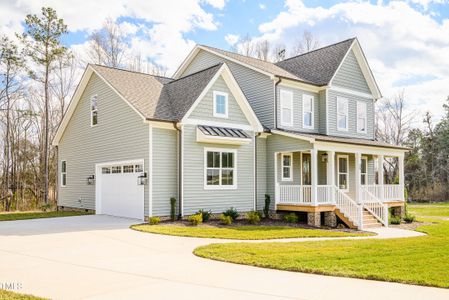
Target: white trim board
[[350, 92]]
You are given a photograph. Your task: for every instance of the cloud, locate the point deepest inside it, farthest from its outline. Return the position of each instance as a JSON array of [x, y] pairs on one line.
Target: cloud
[[406, 48], [232, 39], [262, 6]]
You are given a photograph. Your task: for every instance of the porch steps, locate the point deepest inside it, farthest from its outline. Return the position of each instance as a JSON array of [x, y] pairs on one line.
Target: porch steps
[[369, 221], [345, 219]]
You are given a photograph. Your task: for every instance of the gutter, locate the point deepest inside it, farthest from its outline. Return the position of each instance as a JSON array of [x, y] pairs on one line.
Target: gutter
[[180, 173], [255, 170]]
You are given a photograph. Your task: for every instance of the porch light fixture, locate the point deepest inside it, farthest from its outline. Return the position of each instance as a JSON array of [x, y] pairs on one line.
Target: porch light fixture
[[91, 180], [324, 157], [142, 179]]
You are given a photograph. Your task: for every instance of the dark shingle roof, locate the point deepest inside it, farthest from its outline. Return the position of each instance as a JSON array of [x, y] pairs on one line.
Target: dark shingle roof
[[156, 97], [317, 66], [223, 132]]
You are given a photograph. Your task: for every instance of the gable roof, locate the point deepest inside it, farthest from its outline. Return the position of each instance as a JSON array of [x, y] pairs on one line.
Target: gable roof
[[320, 65], [317, 67], [154, 97]]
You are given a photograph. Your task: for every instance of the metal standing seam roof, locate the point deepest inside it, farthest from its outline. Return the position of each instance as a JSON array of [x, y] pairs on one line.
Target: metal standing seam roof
[[223, 132]]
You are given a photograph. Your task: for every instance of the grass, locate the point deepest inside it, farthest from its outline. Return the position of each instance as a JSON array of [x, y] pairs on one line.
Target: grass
[[430, 210], [419, 260], [24, 215], [8, 295], [241, 232]]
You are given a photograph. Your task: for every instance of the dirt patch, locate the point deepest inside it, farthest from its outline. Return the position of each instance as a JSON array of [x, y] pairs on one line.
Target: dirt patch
[[411, 226]]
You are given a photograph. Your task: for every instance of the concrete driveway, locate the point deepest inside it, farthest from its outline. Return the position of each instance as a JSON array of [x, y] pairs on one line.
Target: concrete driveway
[[99, 257]]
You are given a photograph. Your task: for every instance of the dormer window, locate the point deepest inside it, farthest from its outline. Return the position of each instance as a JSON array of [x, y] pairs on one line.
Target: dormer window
[[220, 104], [342, 114], [307, 108], [93, 110], [286, 99], [361, 117]]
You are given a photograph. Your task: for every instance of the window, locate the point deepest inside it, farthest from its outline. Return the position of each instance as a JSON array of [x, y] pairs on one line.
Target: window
[[287, 163], [116, 169], [342, 113], [343, 167], [220, 169], [63, 173], [220, 104], [363, 171], [307, 107], [93, 110], [361, 117], [105, 170], [306, 169], [138, 168], [128, 169], [286, 108]]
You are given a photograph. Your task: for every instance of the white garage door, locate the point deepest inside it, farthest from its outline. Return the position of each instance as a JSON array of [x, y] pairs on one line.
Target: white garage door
[[120, 193]]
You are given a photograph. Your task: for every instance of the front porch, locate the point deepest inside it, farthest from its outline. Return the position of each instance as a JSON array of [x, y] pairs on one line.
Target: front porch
[[322, 180]]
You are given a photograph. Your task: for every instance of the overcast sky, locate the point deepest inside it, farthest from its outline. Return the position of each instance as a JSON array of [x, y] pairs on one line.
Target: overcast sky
[[406, 42]]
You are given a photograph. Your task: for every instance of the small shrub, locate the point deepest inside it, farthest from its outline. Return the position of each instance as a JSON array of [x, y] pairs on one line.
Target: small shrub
[[45, 207], [225, 220], [395, 220], [266, 208], [253, 217], [341, 226], [195, 219], [409, 218], [205, 214], [232, 212], [291, 218], [154, 220], [172, 209]]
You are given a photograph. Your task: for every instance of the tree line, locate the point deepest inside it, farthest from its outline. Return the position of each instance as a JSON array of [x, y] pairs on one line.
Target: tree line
[[38, 75]]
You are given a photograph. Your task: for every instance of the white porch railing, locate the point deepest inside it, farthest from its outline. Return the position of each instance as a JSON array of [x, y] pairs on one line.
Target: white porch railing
[[349, 207], [374, 206], [302, 194], [386, 192]]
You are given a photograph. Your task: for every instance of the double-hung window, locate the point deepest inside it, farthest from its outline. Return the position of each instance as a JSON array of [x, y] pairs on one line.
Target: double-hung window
[[287, 163], [93, 110], [342, 113], [307, 111], [361, 117], [220, 104], [364, 171], [63, 173], [286, 99], [220, 171], [343, 169]]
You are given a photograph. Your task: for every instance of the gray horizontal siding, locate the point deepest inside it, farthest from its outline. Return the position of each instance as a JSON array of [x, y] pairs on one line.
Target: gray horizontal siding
[[261, 172], [279, 143], [165, 170], [322, 112], [257, 87], [205, 109], [352, 117], [297, 110], [196, 197], [350, 75], [120, 135]]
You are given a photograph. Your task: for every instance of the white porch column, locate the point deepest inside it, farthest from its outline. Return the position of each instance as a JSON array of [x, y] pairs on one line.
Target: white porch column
[[401, 174], [380, 176], [314, 171], [358, 183], [331, 171], [276, 182]]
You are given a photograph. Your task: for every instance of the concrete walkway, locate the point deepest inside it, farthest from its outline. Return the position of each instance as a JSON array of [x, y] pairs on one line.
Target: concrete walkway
[[99, 257]]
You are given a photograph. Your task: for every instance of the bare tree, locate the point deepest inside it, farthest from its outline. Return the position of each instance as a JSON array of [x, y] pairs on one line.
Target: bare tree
[[245, 46], [306, 43], [263, 50], [278, 53], [107, 46]]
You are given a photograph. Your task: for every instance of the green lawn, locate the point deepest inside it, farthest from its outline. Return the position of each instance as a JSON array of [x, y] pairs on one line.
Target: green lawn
[[8, 295], [420, 260], [430, 210], [12, 216], [241, 232]]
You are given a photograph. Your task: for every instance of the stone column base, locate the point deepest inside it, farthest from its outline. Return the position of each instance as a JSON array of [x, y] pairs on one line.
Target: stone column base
[[330, 219], [314, 219], [398, 211]]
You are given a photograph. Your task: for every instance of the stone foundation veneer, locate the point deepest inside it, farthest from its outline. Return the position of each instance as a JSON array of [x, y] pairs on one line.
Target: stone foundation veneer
[[330, 219], [314, 219], [399, 211]]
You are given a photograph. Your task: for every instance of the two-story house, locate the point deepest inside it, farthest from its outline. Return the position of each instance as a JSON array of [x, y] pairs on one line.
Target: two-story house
[[227, 130]]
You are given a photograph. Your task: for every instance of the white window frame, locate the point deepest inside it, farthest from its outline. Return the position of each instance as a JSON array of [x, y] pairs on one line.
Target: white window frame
[[364, 160], [226, 96], [92, 111], [360, 104], [347, 171], [312, 112], [220, 186], [63, 173], [290, 167], [346, 114], [282, 94]]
